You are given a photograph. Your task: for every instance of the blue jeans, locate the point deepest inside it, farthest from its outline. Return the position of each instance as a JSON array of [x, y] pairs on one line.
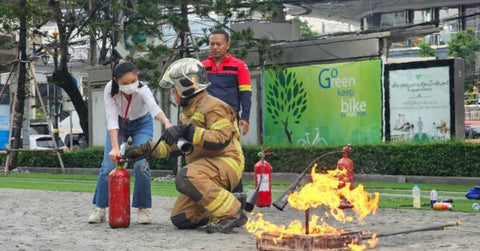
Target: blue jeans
[[141, 130]]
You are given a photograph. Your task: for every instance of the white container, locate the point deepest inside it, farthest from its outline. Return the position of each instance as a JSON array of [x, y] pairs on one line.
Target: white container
[[433, 197], [416, 196], [475, 206]]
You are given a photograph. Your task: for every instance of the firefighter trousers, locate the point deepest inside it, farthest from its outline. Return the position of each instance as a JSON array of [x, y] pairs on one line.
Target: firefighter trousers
[[206, 187]]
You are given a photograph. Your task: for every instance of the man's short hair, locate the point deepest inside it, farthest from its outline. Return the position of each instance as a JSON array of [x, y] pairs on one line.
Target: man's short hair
[[221, 32]]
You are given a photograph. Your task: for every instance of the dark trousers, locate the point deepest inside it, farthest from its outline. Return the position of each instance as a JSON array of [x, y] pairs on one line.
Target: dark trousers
[[239, 187]]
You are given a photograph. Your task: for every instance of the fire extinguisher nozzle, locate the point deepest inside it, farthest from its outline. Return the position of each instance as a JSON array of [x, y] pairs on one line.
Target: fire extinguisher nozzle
[[251, 200]]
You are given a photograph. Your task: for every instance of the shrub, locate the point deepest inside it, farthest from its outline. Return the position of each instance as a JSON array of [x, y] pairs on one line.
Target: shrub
[[452, 158]]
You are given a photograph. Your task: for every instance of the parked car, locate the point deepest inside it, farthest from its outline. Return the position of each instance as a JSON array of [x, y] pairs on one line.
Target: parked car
[[79, 141], [40, 137], [42, 141], [472, 129]]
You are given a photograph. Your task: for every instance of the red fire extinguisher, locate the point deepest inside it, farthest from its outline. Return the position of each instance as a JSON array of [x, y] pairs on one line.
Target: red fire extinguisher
[[345, 163], [119, 196], [263, 182]]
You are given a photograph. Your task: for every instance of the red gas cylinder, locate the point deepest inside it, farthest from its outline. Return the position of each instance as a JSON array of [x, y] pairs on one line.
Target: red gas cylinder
[[263, 174], [346, 163], [119, 196]]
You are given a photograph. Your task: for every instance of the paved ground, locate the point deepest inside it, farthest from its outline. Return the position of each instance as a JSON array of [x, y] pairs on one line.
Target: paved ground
[[48, 220]]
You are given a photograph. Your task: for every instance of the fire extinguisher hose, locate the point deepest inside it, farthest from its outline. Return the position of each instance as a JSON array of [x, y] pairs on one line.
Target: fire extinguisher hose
[[186, 150], [144, 155]]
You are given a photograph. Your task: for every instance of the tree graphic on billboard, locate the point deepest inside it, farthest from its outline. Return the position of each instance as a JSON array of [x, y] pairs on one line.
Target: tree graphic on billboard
[[286, 100]]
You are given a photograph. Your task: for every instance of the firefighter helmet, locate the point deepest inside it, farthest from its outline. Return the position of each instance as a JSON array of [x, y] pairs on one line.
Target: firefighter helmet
[[187, 75]]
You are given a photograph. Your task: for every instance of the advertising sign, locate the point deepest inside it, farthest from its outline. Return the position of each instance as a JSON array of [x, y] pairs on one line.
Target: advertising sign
[[4, 125], [324, 104], [419, 104]]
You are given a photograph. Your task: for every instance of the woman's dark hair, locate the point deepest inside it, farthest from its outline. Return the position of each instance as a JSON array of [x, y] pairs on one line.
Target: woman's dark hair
[[221, 32], [121, 68]]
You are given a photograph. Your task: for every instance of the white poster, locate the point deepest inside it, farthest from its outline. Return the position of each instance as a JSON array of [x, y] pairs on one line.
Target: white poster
[[420, 104], [4, 125], [265, 181]]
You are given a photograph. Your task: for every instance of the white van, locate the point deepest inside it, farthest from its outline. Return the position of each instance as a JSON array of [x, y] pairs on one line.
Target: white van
[[40, 137], [78, 139]]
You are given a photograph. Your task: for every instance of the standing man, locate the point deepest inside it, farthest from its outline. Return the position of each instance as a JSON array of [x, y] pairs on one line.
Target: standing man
[[229, 77], [230, 80]]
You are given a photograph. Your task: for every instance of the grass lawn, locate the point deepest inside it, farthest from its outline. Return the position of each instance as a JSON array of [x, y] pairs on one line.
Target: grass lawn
[[72, 182], [392, 195]]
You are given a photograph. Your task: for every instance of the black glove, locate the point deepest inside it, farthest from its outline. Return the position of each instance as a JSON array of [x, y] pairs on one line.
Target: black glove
[[140, 151], [173, 133]]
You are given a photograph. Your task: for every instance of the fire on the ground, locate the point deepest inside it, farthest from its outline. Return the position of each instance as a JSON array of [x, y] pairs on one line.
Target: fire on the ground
[[323, 191]]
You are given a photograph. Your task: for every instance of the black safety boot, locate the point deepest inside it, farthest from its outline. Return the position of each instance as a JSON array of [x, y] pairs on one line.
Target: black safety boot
[[227, 225]]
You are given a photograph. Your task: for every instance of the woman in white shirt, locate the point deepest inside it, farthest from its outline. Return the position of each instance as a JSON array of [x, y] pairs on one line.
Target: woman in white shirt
[[129, 106]]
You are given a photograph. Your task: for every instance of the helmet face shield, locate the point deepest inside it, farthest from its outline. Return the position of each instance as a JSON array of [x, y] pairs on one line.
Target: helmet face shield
[[166, 82], [187, 75]]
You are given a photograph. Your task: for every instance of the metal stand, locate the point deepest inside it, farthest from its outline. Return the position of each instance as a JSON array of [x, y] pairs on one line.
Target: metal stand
[[12, 115]]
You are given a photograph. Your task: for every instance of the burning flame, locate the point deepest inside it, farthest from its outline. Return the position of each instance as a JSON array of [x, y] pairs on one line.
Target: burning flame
[[371, 244], [323, 191], [258, 226]]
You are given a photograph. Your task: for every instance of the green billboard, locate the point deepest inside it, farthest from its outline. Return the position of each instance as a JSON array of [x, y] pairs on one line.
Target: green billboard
[[324, 104]]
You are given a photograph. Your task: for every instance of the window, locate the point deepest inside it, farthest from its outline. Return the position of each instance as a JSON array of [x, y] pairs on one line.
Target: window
[[39, 129], [393, 19]]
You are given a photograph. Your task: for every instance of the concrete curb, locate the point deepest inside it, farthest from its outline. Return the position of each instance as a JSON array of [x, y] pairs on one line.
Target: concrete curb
[[289, 177]]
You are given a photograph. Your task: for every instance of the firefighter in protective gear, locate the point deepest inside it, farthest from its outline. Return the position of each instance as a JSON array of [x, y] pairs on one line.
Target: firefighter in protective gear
[[216, 164]]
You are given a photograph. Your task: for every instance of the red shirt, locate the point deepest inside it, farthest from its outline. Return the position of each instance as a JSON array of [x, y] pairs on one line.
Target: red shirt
[[230, 82]]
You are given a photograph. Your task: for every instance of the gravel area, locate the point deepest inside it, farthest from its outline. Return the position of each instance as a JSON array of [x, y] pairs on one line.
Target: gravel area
[[49, 220]]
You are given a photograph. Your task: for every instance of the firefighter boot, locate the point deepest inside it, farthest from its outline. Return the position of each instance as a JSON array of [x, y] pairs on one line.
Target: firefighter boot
[[227, 225]]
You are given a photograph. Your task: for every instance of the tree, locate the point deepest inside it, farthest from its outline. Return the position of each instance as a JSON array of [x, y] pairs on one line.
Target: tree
[[425, 50], [464, 45], [103, 19], [286, 100], [71, 20], [21, 85], [101, 27], [146, 18], [10, 12], [306, 29], [17, 16]]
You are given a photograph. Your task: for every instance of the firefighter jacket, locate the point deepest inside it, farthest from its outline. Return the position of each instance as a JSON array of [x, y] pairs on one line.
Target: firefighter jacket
[[215, 135]]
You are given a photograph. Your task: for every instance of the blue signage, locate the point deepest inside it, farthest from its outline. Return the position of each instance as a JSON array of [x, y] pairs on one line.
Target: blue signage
[[4, 125]]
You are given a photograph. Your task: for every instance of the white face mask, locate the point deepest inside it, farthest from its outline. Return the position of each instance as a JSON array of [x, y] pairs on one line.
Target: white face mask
[[129, 89]]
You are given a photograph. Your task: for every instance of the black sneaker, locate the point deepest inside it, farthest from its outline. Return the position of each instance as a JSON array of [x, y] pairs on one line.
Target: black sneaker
[[227, 225]]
